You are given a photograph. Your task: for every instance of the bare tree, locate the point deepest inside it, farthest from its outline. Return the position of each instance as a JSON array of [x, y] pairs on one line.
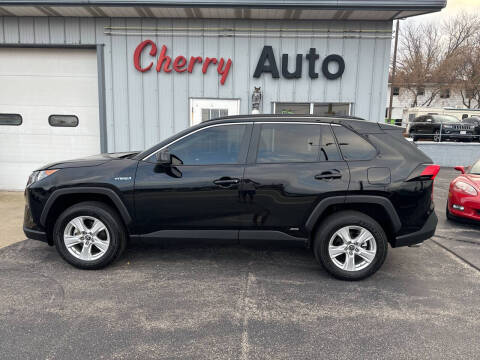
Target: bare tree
[[435, 56], [420, 50]]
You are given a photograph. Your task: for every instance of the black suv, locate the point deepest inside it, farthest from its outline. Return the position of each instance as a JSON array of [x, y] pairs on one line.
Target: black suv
[[343, 187], [440, 128], [473, 121]]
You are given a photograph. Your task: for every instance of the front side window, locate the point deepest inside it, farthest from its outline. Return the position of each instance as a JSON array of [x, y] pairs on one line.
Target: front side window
[[353, 146], [11, 119], [214, 145]]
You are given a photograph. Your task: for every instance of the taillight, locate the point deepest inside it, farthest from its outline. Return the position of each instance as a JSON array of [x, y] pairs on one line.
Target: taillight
[[430, 172], [424, 172]]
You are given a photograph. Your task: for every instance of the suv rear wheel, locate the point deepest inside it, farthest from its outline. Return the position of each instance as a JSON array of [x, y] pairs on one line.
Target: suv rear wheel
[[350, 245], [89, 235]]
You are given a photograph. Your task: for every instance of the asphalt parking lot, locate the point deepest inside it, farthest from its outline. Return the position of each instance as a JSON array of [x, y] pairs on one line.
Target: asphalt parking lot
[[164, 301]]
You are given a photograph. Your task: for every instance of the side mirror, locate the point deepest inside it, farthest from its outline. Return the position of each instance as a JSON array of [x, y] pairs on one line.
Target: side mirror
[[163, 157], [460, 168]]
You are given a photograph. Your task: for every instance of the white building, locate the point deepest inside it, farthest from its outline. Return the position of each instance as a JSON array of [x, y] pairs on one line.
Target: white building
[[404, 99]]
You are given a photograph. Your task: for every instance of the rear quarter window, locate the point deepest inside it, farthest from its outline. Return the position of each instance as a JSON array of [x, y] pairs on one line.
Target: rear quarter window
[[352, 145]]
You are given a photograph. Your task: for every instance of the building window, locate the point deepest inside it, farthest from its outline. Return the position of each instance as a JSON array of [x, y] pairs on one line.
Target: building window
[[208, 114], [63, 120], [445, 93], [317, 109], [396, 91], [292, 108], [11, 119], [421, 91]]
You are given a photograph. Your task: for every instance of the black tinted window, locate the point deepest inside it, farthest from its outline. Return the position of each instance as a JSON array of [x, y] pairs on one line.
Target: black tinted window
[[288, 143], [213, 145], [10, 119], [328, 146], [353, 146]]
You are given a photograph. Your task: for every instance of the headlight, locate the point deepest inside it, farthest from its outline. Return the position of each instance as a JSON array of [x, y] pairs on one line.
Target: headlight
[[465, 188], [39, 175], [448, 126]]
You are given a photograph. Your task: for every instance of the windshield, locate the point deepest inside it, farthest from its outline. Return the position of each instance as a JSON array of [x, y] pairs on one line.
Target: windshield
[[445, 119], [475, 169]]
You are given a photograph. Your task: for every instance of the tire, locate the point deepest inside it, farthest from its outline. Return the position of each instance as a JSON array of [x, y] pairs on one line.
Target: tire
[[95, 250], [327, 233], [448, 214], [412, 135], [437, 137]]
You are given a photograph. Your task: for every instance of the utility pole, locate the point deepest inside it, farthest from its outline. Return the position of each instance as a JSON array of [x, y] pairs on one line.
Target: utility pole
[[394, 69]]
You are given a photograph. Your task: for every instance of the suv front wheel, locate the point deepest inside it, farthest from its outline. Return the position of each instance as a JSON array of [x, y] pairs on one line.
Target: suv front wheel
[[89, 235], [350, 245]]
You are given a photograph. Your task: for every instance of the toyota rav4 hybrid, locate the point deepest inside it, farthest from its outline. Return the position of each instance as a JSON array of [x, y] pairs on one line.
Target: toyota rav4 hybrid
[[343, 187]]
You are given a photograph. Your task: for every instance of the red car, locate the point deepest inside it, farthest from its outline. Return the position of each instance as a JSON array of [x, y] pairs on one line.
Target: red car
[[464, 194]]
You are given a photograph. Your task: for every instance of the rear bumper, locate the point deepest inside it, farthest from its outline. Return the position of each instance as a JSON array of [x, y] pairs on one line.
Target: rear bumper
[[35, 234], [419, 236]]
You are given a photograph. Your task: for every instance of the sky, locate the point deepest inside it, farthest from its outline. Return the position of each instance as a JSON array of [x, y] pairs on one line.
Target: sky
[[453, 7]]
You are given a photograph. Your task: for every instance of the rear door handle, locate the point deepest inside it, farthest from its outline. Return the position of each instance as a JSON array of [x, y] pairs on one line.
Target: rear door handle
[[331, 174], [226, 181]]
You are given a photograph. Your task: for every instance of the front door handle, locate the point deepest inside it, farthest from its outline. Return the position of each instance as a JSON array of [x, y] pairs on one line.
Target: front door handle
[[330, 174], [226, 181]]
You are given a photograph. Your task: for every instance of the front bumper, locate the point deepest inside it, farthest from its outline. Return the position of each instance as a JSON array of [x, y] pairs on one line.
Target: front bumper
[[471, 206], [426, 232], [30, 228]]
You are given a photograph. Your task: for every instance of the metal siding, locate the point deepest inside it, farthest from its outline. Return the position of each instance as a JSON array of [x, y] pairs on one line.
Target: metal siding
[[72, 30], [120, 88], [57, 30], [151, 96], [180, 81], [273, 85], [166, 112], [42, 30], [365, 67], [303, 85], [11, 29], [26, 30], [101, 38], [241, 64], [195, 48], [2, 38], [143, 108], [87, 31], [226, 48], [135, 91]]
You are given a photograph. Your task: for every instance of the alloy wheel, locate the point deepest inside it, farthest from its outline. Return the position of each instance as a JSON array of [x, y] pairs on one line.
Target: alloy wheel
[[86, 238], [352, 248]]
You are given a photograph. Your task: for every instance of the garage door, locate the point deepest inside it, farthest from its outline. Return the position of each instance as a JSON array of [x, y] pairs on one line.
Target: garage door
[[48, 109]]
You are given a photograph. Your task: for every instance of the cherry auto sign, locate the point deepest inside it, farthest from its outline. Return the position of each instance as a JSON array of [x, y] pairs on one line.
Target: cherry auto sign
[[267, 63]]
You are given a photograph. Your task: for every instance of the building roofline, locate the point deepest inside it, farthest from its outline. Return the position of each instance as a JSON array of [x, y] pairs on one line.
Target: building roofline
[[403, 5]]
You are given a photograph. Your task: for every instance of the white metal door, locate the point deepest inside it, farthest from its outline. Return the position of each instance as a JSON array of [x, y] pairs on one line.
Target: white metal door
[[206, 109], [37, 83]]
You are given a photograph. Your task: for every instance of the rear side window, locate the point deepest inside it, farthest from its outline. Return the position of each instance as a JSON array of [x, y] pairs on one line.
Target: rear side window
[[353, 146], [11, 119], [281, 143]]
